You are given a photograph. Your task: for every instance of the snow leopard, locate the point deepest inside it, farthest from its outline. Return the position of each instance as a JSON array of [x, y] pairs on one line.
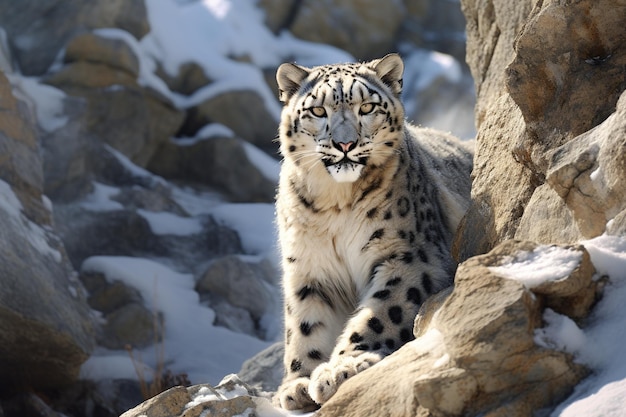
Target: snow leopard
[[367, 207]]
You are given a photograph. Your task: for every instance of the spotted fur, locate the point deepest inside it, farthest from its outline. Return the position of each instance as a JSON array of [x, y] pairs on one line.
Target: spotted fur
[[367, 207]]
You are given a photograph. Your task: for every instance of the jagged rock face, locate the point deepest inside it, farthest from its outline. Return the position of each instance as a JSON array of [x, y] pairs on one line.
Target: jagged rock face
[[548, 80], [42, 305]]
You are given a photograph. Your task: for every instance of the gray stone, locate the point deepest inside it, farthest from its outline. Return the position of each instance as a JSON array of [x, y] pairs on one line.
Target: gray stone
[[132, 325], [265, 369], [241, 283], [188, 402], [234, 318], [244, 112], [220, 162], [111, 296]]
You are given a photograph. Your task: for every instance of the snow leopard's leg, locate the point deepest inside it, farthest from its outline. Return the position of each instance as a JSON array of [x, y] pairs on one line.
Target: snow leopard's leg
[[312, 324], [383, 322]]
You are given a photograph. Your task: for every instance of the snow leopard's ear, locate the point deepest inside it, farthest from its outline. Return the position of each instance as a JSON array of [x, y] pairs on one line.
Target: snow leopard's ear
[[289, 78], [390, 69]]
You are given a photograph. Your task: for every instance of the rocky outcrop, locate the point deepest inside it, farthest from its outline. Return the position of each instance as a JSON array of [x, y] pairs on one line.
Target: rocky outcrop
[[46, 330], [548, 161]]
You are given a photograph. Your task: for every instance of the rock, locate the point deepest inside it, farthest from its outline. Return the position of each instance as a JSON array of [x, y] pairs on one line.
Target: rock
[[37, 31], [169, 403], [106, 297], [241, 283], [27, 404], [478, 355], [234, 318], [118, 112], [220, 162], [357, 26], [131, 325], [88, 233], [69, 153], [265, 369], [189, 79], [225, 400], [125, 232], [45, 335], [533, 166], [92, 48], [244, 112], [568, 60]]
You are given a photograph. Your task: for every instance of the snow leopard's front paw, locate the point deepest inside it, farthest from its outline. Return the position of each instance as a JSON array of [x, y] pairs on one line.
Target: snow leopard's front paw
[[294, 395], [326, 378]]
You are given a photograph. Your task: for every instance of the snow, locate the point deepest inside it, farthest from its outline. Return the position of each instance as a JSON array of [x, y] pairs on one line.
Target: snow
[[560, 333], [191, 343], [46, 100], [162, 223], [100, 198], [253, 221], [34, 234], [603, 394], [269, 167], [545, 263]]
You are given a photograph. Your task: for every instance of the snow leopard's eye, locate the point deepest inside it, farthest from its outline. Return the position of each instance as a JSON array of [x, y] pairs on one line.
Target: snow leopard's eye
[[318, 111], [367, 108]]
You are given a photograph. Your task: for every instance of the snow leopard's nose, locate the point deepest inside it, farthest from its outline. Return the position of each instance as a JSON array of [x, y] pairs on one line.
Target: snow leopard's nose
[[344, 146], [344, 136]]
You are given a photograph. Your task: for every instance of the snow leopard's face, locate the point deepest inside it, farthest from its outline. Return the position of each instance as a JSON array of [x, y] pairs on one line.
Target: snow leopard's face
[[345, 117]]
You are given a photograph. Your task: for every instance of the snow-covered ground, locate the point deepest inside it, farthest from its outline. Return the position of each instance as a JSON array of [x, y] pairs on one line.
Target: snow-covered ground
[[208, 33]]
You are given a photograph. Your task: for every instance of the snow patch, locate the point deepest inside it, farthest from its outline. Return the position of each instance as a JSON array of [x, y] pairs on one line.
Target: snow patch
[[32, 232], [47, 101], [560, 333], [254, 222], [545, 263], [163, 223], [100, 199]]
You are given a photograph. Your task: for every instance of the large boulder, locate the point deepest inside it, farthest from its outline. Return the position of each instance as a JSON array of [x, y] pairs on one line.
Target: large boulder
[[535, 120], [46, 330]]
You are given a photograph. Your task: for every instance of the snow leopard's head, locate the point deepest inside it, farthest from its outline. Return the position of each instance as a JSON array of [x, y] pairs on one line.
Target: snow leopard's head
[[346, 117]]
